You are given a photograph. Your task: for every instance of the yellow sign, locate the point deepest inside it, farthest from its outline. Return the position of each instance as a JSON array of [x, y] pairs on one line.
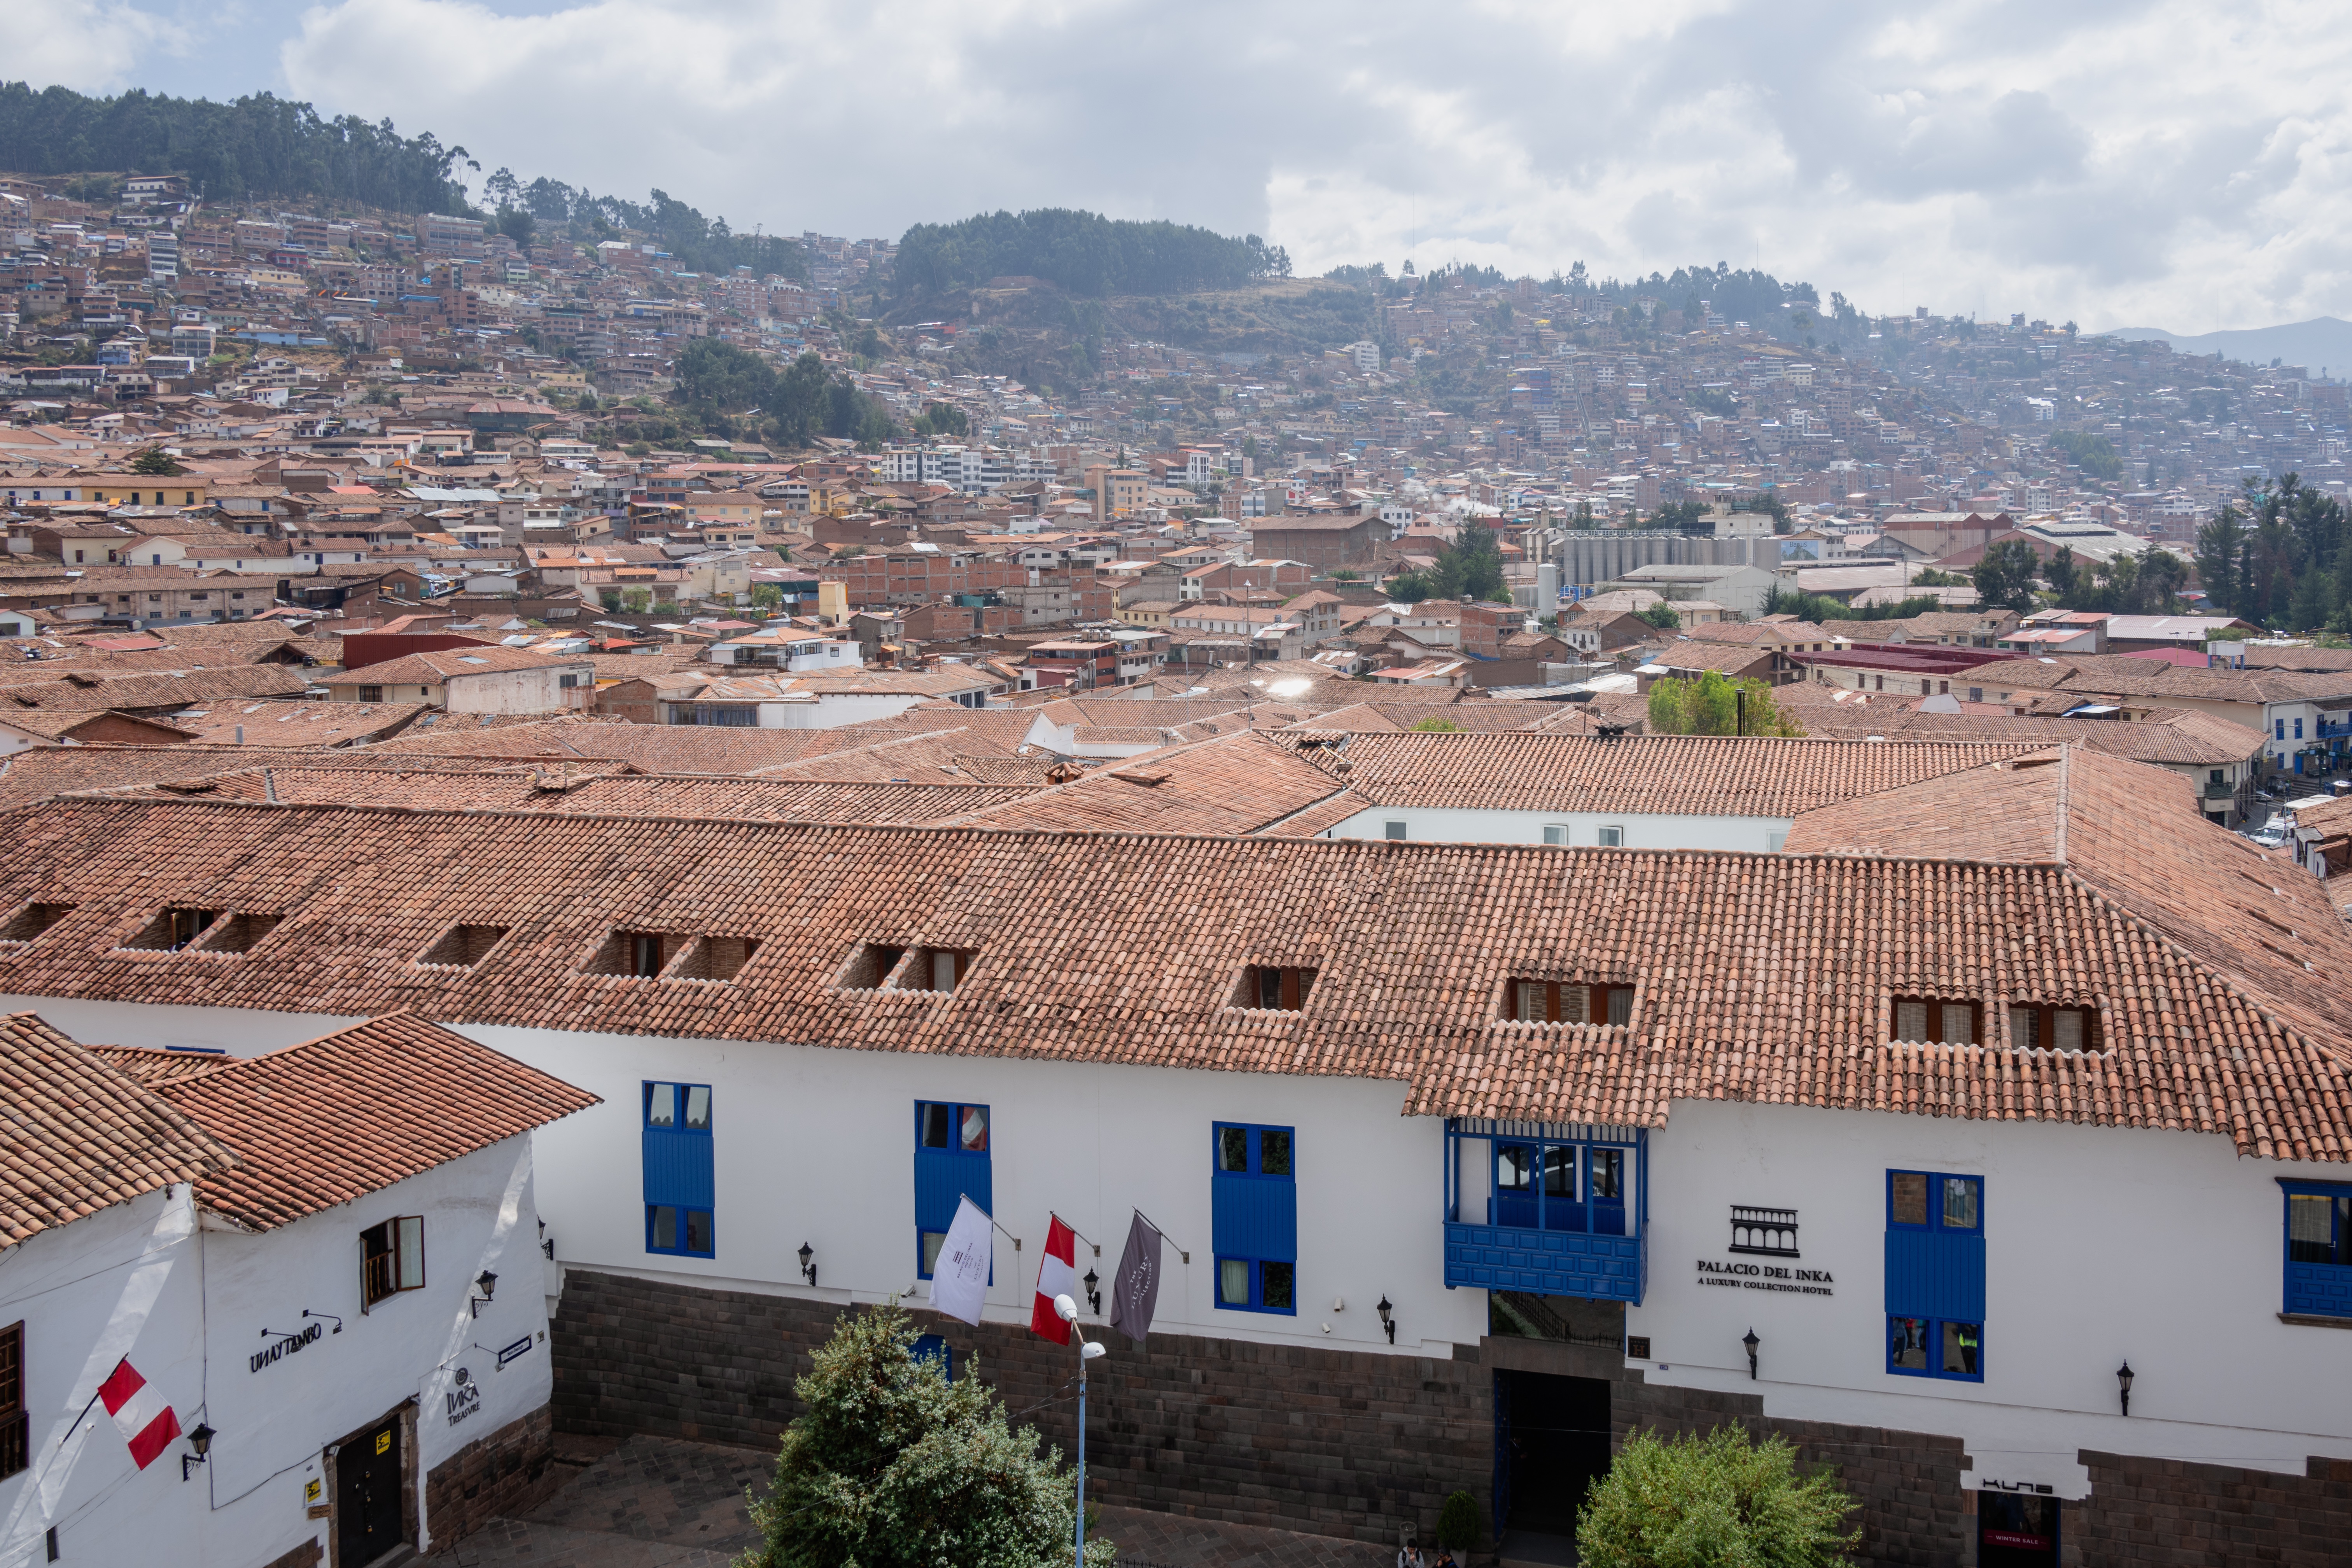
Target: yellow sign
[[310, 1491], [383, 1441]]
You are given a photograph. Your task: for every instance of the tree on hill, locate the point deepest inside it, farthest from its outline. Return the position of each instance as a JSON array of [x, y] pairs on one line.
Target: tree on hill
[[1080, 251], [892, 1466], [1663, 616]]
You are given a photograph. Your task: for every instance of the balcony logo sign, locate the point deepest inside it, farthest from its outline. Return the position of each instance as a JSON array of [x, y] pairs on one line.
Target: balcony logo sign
[[1770, 1234]]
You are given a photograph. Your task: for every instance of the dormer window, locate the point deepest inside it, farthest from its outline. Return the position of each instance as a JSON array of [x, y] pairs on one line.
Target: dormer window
[[639, 955], [2032, 1026], [1566, 1002], [871, 966], [29, 922], [936, 969], [464, 946], [1937, 1021], [171, 930], [1279, 988], [716, 958], [238, 932]]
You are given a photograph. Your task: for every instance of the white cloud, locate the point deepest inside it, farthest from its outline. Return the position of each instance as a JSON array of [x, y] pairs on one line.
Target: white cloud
[[2141, 162], [90, 45]]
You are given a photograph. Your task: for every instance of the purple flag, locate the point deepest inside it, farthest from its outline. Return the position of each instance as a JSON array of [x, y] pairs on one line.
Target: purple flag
[[1135, 1289]]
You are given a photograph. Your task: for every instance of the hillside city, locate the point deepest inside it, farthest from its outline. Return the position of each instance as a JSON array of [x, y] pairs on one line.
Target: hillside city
[[529, 741]]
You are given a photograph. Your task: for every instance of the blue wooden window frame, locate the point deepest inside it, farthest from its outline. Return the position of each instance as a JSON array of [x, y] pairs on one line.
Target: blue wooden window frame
[[947, 1172], [932, 1348], [1934, 1274], [1254, 1209], [2318, 1271], [680, 1178]]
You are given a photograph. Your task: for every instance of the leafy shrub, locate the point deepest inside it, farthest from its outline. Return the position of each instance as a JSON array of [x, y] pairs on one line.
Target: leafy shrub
[[1697, 1502], [1458, 1525]]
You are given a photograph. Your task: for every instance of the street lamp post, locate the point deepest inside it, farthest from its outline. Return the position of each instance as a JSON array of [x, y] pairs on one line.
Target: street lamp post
[[1087, 1351]]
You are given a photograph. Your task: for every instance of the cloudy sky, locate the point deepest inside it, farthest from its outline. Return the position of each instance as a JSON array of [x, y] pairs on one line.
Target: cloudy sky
[[2122, 162]]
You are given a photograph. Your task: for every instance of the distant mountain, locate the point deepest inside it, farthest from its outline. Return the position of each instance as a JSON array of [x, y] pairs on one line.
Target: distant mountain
[[2324, 341]]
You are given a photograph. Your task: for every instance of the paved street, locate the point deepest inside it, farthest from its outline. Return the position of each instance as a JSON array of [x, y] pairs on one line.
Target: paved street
[[657, 1502]]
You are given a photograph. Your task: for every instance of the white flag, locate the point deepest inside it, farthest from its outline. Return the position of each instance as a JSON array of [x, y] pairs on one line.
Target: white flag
[[960, 1277]]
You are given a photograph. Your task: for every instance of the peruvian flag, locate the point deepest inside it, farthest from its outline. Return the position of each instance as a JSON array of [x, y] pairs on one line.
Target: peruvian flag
[[144, 1416], [1058, 1275]]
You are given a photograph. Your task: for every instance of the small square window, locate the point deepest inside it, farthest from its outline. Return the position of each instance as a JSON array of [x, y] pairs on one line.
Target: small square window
[[937, 969], [171, 930], [870, 965], [1395, 830], [1610, 837], [392, 1259], [1556, 835], [371, 693], [1275, 987]]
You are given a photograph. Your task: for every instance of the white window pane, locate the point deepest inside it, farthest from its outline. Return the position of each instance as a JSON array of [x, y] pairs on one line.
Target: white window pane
[[2023, 1022], [1233, 1282], [1621, 1006], [1910, 1020], [1959, 1024], [1575, 1004], [2308, 1219], [661, 1105], [1612, 838], [943, 972], [2067, 1032], [1555, 834], [932, 1241], [975, 1130], [1532, 1007], [412, 1252], [697, 1106], [1960, 1202]]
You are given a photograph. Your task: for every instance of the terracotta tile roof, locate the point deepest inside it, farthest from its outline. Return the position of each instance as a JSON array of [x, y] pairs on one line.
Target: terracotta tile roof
[[2121, 675], [590, 788], [1759, 977], [1243, 783], [156, 694], [452, 663], [2174, 735], [269, 723], [1480, 718], [1670, 775], [82, 1135], [350, 1113], [152, 1065]]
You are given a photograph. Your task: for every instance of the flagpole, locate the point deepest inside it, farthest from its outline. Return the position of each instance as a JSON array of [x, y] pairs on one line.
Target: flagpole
[[1077, 1334]]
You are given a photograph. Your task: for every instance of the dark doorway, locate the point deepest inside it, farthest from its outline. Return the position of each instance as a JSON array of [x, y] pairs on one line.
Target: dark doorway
[[1552, 1439], [367, 1495], [2016, 1531]]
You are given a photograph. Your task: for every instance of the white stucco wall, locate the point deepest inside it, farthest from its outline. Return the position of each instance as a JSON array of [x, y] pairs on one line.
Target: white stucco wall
[[1642, 831], [187, 1299], [2103, 1246]]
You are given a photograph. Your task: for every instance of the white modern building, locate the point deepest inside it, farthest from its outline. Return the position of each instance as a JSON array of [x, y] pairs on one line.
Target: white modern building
[[316, 1274], [1486, 1149]]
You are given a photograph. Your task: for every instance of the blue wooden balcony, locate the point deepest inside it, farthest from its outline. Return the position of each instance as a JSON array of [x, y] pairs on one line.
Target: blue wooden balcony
[[1547, 1208]]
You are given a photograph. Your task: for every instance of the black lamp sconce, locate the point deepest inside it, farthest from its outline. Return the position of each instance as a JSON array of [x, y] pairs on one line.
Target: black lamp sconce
[[328, 1317], [2124, 1383], [1384, 1307], [1751, 1341], [808, 1264], [201, 1440], [488, 1284], [1094, 1292]]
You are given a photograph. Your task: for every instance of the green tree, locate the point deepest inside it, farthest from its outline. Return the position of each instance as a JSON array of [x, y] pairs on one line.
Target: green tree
[[1410, 587], [1663, 616], [155, 461], [2065, 576], [2004, 577], [1668, 714], [636, 600], [941, 419], [1438, 727], [892, 1466], [2219, 559], [1472, 564], [2095, 455], [767, 597], [1715, 704], [2314, 602], [1695, 1502]]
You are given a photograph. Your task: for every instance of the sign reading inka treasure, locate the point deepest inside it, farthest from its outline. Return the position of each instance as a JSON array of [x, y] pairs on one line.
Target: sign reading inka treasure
[[1765, 1233]]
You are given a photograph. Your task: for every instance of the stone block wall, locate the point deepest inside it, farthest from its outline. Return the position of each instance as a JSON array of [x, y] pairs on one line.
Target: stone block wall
[[492, 1475], [2169, 1513], [1333, 1442]]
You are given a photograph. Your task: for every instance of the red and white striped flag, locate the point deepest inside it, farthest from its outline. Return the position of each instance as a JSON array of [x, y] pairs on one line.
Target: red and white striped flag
[[143, 1415], [1058, 1275]]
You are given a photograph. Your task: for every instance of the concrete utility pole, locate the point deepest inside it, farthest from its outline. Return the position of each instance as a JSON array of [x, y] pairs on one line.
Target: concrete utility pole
[[1087, 1351]]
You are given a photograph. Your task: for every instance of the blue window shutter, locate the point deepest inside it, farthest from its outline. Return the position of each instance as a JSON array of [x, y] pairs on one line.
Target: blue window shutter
[[942, 1176], [678, 1168], [1251, 1216], [1936, 1274]]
